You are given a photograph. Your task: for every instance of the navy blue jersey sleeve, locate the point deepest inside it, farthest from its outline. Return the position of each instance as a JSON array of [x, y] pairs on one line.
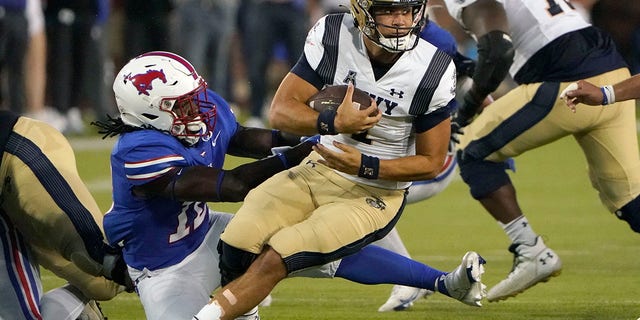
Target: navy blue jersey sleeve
[[304, 70], [425, 122]]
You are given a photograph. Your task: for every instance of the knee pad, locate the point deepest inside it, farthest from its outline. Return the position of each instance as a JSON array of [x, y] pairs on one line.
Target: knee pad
[[233, 262], [631, 214], [483, 177]]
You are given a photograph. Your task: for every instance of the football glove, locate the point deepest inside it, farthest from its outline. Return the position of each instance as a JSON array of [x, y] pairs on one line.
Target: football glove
[[115, 269]]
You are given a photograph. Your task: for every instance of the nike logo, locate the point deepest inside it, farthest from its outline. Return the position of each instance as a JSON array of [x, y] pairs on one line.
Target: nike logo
[[214, 141]]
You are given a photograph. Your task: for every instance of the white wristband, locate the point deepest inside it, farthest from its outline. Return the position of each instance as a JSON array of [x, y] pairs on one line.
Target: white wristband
[[609, 95]]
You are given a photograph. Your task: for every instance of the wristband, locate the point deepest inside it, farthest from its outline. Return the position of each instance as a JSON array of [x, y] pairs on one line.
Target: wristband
[[608, 95], [326, 120], [369, 167]]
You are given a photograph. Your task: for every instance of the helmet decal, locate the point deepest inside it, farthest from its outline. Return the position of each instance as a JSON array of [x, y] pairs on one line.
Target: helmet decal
[[175, 57], [143, 81]]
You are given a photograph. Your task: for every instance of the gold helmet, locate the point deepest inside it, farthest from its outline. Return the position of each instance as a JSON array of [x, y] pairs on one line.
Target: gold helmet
[[365, 21]]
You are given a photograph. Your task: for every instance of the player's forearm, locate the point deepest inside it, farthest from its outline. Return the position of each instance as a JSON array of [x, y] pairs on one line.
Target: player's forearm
[[412, 168], [293, 116], [627, 89]]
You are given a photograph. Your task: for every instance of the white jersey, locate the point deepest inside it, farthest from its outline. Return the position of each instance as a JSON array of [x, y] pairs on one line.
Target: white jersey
[[421, 81], [532, 23]]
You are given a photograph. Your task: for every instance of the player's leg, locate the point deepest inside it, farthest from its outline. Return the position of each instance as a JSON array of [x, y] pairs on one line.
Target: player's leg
[[376, 265], [20, 287], [611, 150], [402, 297], [179, 291], [67, 302], [527, 117], [303, 229], [53, 205]]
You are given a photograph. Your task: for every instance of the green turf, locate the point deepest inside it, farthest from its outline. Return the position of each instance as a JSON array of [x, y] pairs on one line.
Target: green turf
[[600, 279]]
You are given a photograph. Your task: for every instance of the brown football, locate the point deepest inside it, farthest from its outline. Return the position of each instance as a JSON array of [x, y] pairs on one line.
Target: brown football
[[330, 97]]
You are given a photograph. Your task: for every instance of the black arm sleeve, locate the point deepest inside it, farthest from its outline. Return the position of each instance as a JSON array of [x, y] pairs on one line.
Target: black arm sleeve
[[256, 143], [495, 56], [202, 183], [238, 182]]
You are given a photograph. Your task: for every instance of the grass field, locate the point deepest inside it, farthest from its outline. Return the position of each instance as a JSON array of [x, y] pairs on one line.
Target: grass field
[[601, 255]]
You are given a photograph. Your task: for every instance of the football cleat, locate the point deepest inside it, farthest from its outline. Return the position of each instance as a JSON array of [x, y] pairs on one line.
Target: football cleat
[[531, 264], [402, 298], [465, 282], [251, 315], [266, 302]]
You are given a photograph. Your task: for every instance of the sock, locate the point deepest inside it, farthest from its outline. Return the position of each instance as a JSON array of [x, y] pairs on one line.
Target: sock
[[520, 231], [375, 265]]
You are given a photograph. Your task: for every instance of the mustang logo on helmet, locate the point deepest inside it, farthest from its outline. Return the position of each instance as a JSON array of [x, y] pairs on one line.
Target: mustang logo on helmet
[[142, 81]]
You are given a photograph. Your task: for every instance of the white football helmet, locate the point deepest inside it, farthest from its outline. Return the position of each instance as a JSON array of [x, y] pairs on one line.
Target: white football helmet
[[161, 90], [365, 21]]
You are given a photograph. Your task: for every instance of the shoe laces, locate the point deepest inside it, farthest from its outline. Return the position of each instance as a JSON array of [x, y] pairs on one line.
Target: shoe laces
[[517, 257]]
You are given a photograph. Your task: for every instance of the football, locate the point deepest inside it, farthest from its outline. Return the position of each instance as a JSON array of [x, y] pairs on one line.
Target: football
[[330, 97]]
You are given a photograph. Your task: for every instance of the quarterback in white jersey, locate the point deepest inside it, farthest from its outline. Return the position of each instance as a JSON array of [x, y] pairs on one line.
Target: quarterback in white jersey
[[351, 189]]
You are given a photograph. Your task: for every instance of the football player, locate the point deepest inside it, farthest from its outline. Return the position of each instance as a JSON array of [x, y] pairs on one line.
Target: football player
[[174, 135], [351, 190], [48, 218], [167, 164], [545, 45]]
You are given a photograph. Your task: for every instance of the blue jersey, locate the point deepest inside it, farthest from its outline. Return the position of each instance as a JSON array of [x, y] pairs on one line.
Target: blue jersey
[[159, 232], [440, 38]]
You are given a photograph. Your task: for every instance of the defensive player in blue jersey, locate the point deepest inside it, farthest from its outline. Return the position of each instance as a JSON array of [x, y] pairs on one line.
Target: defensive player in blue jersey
[[174, 136]]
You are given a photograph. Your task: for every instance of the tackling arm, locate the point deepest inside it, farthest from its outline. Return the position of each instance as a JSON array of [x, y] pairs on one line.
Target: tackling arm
[[257, 143], [201, 183]]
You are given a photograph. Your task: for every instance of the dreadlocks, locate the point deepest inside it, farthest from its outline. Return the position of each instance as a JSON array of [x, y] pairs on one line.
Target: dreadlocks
[[113, 127]]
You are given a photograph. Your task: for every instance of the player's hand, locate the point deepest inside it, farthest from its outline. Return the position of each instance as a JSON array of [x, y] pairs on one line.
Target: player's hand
[[581, 92], [462, 119], [115, 269], [456, 130], [347, 161], [353, 120]]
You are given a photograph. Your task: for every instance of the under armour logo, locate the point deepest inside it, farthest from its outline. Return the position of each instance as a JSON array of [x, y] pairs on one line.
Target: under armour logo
[[543, 260], [399, 93], [310, 163]]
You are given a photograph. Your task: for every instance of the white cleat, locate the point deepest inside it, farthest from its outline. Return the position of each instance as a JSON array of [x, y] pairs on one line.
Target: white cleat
[[465, 282], [266, 302], [402, 298], [531, 264], [251, 315]]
